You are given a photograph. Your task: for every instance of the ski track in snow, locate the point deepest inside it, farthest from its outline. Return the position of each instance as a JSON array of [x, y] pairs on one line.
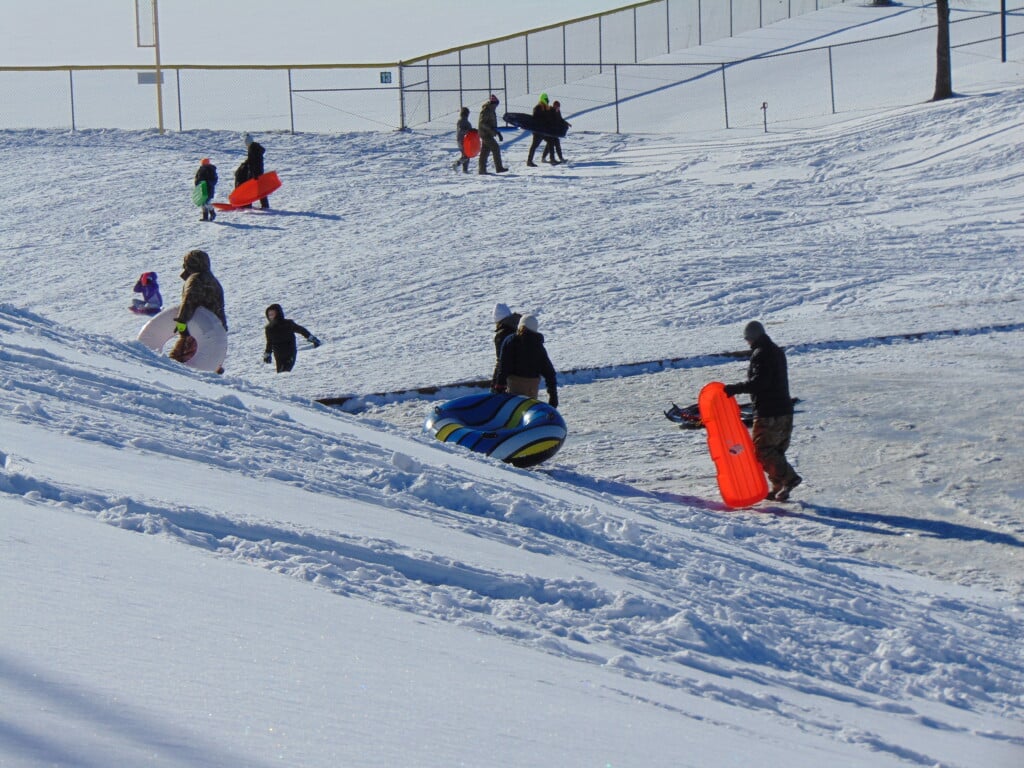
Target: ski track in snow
[[882, 265], [664, 597]]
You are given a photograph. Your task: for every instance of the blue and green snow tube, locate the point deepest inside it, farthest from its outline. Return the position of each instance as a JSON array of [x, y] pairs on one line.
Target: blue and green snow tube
[[518, 430]]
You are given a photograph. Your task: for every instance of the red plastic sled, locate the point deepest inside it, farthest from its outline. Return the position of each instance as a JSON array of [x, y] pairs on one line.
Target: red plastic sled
[[471, 143], [741, 479], [248, 192]]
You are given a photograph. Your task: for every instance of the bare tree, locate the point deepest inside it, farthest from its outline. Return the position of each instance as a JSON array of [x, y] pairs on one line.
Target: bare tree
[[943, 59]]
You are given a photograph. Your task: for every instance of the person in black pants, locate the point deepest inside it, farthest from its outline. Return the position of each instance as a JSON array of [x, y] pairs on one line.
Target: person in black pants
[[280, 333], [253, 164], [768, 385]]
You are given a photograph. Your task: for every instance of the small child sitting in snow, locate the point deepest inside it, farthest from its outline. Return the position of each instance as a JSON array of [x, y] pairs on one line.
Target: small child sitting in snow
[[151, 302]]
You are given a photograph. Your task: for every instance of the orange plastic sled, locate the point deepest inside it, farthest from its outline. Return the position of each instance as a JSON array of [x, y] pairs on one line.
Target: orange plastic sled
[[471, 143], [741, 479], [248, 192]]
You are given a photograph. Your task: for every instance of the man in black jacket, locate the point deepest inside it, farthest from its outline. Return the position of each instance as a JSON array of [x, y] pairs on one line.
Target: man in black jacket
[[523, 361], [768, 385]]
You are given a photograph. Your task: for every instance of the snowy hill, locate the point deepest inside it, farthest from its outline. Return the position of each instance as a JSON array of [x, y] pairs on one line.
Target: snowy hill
[[206, 570]]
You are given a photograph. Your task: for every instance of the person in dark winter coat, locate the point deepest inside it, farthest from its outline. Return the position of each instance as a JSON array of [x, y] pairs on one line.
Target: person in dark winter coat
[[280, 333], [487, 125], [768, 385], [506, 322], [201, 289], [461, 129], [558, 124], [542, 114], [207, 172], [524, 360], [253, 164]]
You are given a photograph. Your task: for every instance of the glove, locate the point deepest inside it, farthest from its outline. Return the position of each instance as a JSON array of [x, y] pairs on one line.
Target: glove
[[181, 328], [552, 398], [266, 358], [500, 137], [729, 390], [314, 341]]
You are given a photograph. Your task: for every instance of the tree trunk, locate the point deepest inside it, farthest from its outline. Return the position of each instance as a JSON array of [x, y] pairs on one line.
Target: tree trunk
[[943, 58]]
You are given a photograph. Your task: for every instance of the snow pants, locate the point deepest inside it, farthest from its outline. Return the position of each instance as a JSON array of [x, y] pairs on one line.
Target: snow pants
[[771, 440], [489, 146]]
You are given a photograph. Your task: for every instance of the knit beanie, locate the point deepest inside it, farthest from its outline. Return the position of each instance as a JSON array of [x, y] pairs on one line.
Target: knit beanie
[[529, 322], [501, 311]]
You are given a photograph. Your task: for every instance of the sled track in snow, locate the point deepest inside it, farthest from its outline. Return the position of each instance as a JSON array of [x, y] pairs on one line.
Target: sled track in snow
[[359, 403]]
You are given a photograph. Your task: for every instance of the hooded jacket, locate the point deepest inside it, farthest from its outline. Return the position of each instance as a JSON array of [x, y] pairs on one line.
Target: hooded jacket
[[201, 289], [487, 124], [280, 333], [207, 173], [254, 159], [767, 380]]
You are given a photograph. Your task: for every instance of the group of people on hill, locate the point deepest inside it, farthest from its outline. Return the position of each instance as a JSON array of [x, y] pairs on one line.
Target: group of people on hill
[[251, 168], [547, 115], [521, 361], [201, 288]]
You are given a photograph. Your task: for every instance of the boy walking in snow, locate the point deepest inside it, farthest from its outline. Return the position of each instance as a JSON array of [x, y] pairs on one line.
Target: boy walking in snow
[[280, 333], [461, 129], [207, 172]]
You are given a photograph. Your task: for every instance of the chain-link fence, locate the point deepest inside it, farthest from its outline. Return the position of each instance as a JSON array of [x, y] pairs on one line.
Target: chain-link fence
[[604, 64]]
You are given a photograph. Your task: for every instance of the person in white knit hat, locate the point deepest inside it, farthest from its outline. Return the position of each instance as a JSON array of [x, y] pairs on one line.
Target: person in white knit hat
[[524, 361], [505, 324]]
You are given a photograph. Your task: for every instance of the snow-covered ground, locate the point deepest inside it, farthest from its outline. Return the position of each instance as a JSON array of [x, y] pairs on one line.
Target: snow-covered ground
[[214, 570]]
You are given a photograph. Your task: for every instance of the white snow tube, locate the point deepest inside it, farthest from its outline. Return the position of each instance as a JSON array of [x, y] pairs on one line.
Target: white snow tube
[[211, 338]]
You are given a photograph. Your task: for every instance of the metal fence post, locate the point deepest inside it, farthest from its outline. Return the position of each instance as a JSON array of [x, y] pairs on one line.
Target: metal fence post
[[291, 100], [725, 97], [177, 85], [526, 40], [430, 115], [636, 52], [71, 86], [668, 29], [401, 97], [565, 59], [831, 80], [615, 71]]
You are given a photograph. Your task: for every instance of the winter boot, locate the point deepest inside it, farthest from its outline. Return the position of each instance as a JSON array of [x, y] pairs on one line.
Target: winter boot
[[213, 214], [783, 495]]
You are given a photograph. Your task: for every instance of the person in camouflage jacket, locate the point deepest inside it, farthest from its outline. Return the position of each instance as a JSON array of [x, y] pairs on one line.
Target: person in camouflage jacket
[[201, 289], [487, 125]]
